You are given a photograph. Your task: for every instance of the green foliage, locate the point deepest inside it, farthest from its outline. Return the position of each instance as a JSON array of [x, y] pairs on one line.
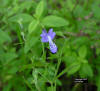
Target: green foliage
[[83, 51], [98, 83], [86, 70], [4, 37], [54, 21], [26, 64], [31, 41], [21, 18], [95, 10], [40, 10], [32, 26], [73, 68]]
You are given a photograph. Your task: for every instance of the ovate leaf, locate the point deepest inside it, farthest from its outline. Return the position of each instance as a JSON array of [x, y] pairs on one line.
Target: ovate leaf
[[4, 37], [83, 51], [23, 17], [73, 68], [86, 70], [33, 25], [54, 21], [26, 5], [40, 9], [31, 41]]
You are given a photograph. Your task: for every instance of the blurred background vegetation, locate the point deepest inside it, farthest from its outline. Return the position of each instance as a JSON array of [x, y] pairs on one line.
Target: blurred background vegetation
[[26, 64]]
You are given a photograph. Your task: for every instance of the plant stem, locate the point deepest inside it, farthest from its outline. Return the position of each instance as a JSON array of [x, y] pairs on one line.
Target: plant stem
[[58, 64]]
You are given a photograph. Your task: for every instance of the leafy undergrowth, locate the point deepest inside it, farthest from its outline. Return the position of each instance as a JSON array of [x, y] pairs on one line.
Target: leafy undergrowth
[[27, 64]]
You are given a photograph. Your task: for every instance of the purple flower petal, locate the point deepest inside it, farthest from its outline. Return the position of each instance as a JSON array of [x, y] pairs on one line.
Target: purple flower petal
[[53, 48], [44, 33], [51, 33], [44, 36]]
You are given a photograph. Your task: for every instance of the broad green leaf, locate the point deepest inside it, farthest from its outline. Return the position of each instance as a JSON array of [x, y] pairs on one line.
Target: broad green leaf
[[58, 82], [4, 37], [40, 9], [36, 64], [32, 26], [9, 56], [31, 41], [86, 70], [73, 68], [26, 5], [22, 17], [80, 40], [69, 59], [82, 60], [83, 51], [54, 21]]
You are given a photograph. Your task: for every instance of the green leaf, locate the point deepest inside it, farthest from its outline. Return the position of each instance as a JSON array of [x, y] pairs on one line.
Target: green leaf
[[26, 5], [4, 37], [70, 4], [79, 11], [83, 51], [54, 21], [98, 82], [82, 60], [40, 9], [59, 33], [50, 88], [86, 70], [81, 40], [31, 41], [98, 89], [13, 70], [36, 64], [8, 56], [7, 87], [98, 51], [96, 9], [32, 26], [73, 68], [22, 17], [59, 83]]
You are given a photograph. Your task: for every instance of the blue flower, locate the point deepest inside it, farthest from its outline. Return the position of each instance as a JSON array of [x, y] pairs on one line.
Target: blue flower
[[48, 37]]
